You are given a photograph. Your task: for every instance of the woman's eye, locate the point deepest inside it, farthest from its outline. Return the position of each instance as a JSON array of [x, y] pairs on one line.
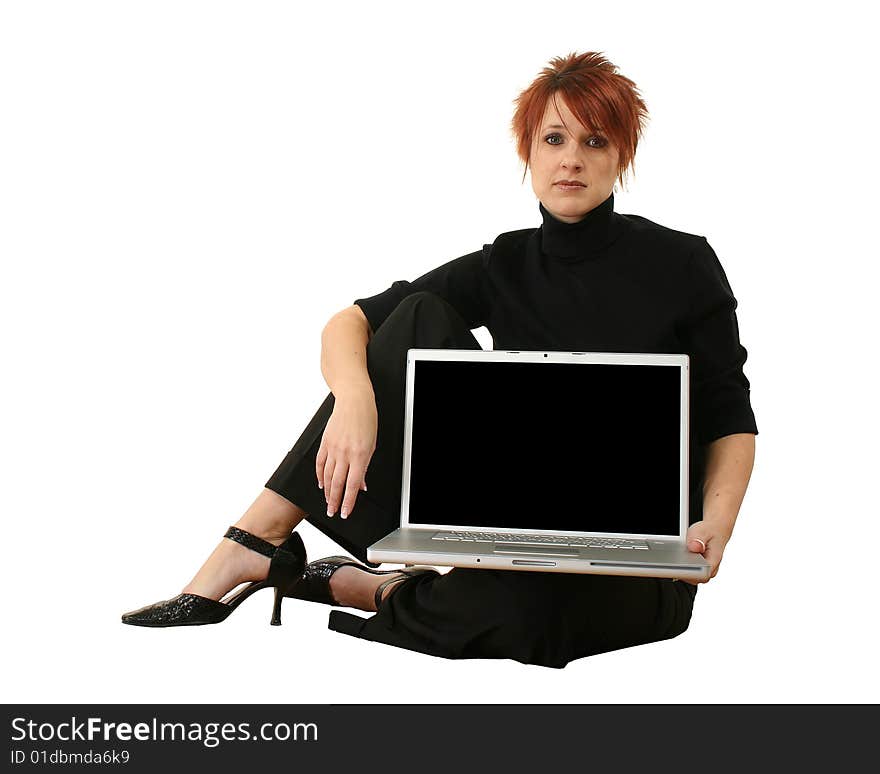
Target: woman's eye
[[600, 142]]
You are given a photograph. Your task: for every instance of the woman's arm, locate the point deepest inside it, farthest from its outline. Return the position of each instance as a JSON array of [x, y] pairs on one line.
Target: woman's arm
[[350, 435], [344, 354], [729, 462]]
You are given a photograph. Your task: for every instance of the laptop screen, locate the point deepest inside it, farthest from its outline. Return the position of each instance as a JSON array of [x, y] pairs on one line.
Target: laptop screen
[[561, 446]]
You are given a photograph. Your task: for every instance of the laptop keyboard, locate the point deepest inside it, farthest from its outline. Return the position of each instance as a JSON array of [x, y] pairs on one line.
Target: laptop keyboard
[[542, 540]]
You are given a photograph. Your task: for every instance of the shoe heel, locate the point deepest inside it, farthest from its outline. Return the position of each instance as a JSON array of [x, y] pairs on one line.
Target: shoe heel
[[276, 609]]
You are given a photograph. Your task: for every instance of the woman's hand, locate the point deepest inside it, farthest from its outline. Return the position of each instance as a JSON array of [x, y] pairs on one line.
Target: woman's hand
[[346, 449], [709, 539]]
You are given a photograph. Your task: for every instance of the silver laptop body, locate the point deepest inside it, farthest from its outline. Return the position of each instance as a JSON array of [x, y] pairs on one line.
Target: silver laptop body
[[545, 461]]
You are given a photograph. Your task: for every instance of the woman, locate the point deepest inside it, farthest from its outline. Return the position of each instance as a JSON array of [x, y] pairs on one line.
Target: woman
[[587, 279]]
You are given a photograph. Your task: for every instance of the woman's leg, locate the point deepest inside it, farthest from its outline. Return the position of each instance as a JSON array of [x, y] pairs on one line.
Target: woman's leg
[[542, 618]]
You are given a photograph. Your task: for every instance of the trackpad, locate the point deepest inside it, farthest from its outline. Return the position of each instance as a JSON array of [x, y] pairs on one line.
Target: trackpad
[[514, 548]]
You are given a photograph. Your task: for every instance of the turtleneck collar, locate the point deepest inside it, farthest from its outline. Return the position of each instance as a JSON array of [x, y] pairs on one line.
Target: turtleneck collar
[[570, 241]]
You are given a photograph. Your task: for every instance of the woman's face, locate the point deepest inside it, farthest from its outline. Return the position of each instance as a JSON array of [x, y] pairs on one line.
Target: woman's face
[[586, 157]]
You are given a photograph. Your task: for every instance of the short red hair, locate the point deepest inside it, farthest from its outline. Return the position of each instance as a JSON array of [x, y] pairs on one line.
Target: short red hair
[[602, 100]]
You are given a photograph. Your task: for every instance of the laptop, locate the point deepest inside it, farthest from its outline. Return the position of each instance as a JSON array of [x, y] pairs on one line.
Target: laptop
[[545, 461]]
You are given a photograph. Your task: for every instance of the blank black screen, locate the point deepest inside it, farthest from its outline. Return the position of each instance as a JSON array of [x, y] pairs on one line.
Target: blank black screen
[[561, 446]]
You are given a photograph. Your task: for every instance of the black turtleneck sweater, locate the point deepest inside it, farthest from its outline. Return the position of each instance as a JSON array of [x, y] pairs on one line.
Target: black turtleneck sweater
[[608, 283]]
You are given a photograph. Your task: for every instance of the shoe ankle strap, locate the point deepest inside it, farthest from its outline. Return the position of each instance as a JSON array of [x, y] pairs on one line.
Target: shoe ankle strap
[[251, 541], [377, 597]]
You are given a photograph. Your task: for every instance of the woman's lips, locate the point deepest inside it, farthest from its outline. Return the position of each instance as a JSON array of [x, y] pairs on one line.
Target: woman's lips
[[575, 187]]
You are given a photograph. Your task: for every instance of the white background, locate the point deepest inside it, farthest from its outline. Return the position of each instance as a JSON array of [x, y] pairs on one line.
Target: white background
[[188, 192]]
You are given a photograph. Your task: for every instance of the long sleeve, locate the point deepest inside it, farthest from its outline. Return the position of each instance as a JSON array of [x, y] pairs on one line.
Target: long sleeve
[[720, 391], [462, 282]]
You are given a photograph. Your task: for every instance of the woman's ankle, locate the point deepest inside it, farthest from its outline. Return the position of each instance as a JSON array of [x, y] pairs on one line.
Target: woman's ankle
[[353, 587], [274, 533], [271, 517]]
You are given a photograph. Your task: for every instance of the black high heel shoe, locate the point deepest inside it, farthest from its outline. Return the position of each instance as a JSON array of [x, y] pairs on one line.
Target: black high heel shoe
[[314, 585], [285, 570]]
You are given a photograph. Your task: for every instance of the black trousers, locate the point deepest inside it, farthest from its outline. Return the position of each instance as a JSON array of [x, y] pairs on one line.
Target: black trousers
[[540, 618]]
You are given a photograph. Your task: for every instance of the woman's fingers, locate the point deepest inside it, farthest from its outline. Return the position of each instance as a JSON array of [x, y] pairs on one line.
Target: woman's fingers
[[320, 462], [707, 539], [354, 483], [337, 486], [713, 555], [342, 482], [330, 468], [347, 445]]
